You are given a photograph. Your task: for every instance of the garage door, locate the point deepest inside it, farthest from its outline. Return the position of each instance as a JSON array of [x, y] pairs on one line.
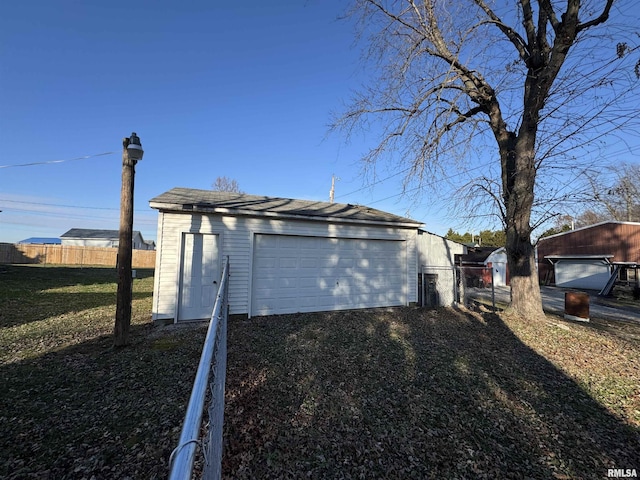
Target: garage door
[[587, 274], [308, 274]]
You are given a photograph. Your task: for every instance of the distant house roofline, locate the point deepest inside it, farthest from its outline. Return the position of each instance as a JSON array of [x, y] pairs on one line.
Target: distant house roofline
[[41, 241], [90, 233]]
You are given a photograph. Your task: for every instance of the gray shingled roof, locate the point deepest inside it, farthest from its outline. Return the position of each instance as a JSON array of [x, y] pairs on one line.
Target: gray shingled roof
[[92, 233], [192, 200]]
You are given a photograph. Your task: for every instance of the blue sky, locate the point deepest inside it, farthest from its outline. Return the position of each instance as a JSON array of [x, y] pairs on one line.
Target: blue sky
[[237, 89]]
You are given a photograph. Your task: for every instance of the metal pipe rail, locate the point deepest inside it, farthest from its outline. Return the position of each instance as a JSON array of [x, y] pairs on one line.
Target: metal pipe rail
[[212, 361]]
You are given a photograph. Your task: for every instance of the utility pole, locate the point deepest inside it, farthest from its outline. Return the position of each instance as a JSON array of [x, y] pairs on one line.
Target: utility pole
[[332, 192], [131, 153]]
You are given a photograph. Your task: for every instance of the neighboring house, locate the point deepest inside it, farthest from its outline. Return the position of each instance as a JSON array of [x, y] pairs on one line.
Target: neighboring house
[[85, 237], [437, 270], [286, 255], [587, 257], [40, 241]]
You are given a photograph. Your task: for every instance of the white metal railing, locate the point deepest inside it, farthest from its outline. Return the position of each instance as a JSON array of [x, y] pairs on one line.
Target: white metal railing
[[211, 372]]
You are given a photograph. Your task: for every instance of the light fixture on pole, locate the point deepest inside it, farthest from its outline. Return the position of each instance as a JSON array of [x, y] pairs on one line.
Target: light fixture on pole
[[131, 153]]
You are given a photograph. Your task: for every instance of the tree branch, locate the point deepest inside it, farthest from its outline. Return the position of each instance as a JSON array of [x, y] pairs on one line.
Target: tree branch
[[510, 33], [550, 13], [462, 117], [603, 17]]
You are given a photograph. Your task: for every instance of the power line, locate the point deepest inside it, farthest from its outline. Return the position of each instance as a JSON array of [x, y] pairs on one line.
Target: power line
[[57, 205], [74, 215], [43, 204], [405, 170], [49, 162], [448, 177], [377, 182]]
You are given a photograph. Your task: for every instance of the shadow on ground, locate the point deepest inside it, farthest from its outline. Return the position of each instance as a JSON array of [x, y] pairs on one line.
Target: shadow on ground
[[408, 393]]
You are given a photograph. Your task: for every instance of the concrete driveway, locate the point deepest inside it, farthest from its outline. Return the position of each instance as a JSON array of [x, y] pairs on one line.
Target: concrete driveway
[[553, 302]]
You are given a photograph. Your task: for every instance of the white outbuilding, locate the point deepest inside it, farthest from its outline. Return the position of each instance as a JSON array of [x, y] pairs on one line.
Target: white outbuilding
[[497, 260], [285, 255]]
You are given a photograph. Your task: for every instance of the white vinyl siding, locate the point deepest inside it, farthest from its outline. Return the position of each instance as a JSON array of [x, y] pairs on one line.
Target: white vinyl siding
[[236, 241], [137, 243], [90, 242]]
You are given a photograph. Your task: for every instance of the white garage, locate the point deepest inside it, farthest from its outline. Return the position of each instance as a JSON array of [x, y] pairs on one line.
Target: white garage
[[285, 255]]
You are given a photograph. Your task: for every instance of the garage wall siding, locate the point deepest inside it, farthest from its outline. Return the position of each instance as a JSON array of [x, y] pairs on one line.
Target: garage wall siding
[[437, 251], [237, 236], [167, 264]]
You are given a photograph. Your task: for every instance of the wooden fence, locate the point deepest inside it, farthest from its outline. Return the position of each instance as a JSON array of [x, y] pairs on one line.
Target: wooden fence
[[71, 255]]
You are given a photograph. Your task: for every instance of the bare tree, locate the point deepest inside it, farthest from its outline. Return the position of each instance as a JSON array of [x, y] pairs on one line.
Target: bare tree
[[224, 184], [589, 217], [454, 77], [618, 198]]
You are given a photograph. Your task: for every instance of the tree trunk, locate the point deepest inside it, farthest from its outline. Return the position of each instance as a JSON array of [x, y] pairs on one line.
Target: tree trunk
[[526, 299], [519, 174]]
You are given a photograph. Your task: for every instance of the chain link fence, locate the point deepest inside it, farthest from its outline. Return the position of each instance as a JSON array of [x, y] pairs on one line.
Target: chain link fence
[[210, 376]]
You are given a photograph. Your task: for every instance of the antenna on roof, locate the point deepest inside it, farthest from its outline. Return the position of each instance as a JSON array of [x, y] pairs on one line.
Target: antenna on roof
[[332, 192]]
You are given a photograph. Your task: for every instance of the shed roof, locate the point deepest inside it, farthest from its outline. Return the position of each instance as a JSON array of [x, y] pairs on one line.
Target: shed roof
[[211, 201], [94, 234]]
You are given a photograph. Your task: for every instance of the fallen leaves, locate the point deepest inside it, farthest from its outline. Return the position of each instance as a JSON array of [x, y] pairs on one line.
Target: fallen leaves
[[385, 393], [71, 407], [404, 393]]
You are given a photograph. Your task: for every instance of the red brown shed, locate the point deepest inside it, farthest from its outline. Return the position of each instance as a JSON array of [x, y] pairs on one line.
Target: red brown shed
[[588, 250]]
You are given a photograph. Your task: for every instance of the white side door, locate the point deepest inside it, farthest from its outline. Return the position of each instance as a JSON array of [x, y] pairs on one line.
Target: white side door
[[199, 276]]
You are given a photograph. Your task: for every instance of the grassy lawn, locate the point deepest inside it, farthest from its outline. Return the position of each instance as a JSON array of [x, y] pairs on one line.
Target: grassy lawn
[[70, 405], [386, 393]]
